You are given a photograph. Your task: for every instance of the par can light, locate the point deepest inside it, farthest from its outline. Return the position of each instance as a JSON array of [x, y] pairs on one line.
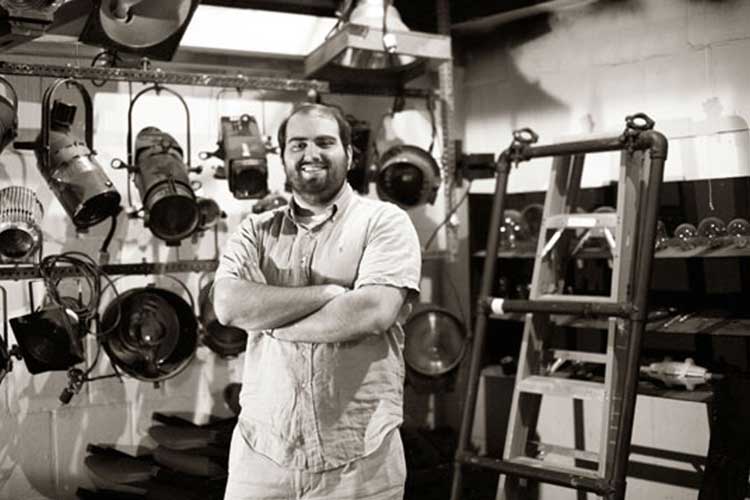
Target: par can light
[[155, 337], [435, 341], [408, 176], [20, 224]]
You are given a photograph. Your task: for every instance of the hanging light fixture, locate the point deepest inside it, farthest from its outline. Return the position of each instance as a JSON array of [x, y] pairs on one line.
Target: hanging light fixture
[[160, 173], [371, 42], [435, 341], [8, 115], [48, 339], [20, 224], [69, 165], [152, 335], [243, 151], [151, 28], [171, 210], [408, 176], [226, 341]]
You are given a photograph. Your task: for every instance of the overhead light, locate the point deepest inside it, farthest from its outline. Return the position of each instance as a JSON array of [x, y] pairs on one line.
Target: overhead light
[[151, 28], [152, 335], [435, 341], [20, 224], [26, 20], [8, 115], [170, 206], [69, 165], [243, 150], [226, 341], [49, 339], [373, 41], [408, 176]]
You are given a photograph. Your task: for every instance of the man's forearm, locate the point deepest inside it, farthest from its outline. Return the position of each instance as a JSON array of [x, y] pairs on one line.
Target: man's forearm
[[257, 306], [350, 316]]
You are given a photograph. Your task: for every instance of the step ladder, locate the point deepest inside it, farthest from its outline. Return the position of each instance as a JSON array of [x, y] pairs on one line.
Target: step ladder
[[629, 234]]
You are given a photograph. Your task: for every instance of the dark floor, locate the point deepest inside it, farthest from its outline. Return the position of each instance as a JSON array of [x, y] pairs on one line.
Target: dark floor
[[429, 461]]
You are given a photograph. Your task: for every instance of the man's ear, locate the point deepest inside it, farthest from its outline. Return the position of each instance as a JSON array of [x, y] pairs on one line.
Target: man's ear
[[350, 157]]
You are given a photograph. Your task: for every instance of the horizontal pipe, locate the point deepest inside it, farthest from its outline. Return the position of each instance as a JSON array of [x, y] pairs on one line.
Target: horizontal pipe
[[499, 306], [575, 147], [566, 479]]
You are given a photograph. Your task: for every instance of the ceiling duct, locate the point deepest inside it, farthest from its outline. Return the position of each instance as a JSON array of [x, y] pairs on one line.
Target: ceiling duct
[[153, 333], [373, 45]]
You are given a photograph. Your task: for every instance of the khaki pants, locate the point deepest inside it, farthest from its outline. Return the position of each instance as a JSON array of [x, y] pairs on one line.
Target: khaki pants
[[378, 476]]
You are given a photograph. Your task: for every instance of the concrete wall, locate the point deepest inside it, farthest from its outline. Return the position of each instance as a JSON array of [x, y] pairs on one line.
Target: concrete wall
[[42, 443], [581, 71]]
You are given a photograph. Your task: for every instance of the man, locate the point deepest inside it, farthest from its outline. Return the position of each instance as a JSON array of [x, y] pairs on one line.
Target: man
[[319, 286]]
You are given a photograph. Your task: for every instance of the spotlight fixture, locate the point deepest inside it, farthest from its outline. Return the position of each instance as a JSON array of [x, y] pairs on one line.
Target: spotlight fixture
[[20, 224], [152, 335], [408, 176], [226, 341], [68, 165], [8, 115], [160, 173], [243, 151], [171, 210], [150, 28], [372, 44], [435, 340], [48, 339]]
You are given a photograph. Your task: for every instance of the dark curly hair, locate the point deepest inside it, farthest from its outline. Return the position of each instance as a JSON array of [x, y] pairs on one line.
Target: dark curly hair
[[345, 130]]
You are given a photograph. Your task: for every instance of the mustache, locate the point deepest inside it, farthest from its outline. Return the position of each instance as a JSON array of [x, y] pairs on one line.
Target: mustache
[[322, 163]]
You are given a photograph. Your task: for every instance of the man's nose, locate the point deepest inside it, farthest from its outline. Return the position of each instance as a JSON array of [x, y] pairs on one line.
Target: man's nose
[[312, 152]]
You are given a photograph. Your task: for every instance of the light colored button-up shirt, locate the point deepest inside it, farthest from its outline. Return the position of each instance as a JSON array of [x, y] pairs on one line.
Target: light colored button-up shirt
[[320, 406]]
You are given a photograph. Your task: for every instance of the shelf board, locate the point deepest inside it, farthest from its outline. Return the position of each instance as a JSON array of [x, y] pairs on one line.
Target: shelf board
[[702, 252], [693, 325]]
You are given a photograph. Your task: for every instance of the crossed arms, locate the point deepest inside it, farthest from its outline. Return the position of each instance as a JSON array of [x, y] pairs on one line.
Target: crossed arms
[[318, 314]]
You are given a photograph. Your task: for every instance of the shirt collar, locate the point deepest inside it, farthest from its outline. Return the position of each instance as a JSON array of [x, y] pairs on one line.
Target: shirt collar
[[339, 204]]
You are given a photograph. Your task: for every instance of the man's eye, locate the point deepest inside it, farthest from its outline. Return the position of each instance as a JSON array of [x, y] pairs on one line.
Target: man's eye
[[325, 143], [297, 146]]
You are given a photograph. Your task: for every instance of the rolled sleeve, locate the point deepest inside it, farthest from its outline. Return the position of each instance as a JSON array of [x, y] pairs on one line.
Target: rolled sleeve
[[392, 254], [240, 258]]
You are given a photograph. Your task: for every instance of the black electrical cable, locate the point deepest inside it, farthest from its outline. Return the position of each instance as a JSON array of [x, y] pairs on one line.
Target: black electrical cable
[[110, 234], [447, 218]]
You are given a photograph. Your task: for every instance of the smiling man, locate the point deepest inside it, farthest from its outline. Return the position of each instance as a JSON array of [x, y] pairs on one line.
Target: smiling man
[[319, 286]]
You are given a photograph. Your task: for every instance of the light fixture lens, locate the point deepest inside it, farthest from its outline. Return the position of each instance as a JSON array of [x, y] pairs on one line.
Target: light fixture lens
[[20, 219]]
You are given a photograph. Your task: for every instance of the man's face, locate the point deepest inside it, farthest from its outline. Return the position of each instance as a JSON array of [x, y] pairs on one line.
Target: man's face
[[315, 160]]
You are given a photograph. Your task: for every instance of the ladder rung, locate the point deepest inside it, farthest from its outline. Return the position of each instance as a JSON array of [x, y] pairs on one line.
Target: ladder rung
[[584, 299], [585, 357], [582, 479], [541, 464], [563, 387], [564, 451], [580, 221], [567, 304]]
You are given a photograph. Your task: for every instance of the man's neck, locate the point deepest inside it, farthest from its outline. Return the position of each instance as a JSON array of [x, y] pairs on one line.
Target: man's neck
[[305, 209]]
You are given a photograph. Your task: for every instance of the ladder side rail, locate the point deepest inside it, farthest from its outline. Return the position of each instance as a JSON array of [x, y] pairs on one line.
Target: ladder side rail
[[480, 326], [656, 144], [626, 237]]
